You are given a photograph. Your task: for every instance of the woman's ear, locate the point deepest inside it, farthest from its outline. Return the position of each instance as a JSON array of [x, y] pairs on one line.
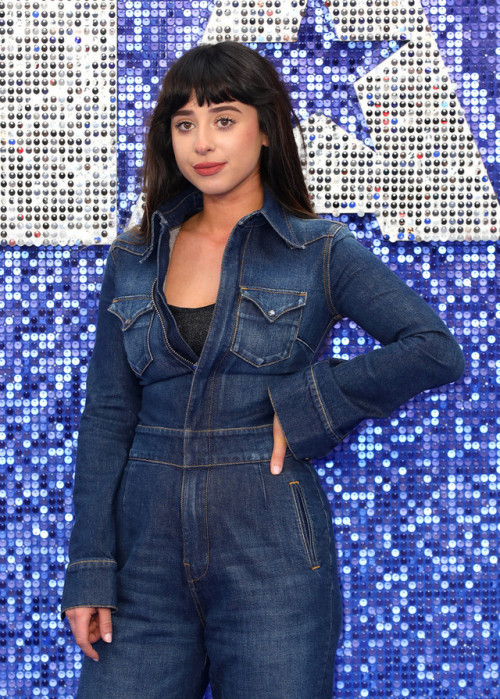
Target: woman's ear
[[265, 140]]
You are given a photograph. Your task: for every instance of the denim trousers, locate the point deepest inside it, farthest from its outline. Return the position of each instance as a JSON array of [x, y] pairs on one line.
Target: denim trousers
[[227, 562]]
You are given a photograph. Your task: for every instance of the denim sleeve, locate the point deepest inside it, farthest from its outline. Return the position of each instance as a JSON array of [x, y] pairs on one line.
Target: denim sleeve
[[318, 406], [106, 431]]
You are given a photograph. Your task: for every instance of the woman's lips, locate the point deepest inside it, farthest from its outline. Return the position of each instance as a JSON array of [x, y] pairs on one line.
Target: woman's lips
[[208, 168]]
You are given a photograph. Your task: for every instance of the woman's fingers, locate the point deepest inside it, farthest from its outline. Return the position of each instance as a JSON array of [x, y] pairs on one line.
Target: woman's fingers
[[105, 624], [94, 633], [81, 620], [279, 447]]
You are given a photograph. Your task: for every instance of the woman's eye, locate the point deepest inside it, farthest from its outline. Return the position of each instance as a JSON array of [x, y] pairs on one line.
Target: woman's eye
[[225, 122], [183, 126]]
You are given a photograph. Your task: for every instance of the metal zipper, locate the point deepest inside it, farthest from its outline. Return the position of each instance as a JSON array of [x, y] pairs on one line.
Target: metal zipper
[[165, 338]]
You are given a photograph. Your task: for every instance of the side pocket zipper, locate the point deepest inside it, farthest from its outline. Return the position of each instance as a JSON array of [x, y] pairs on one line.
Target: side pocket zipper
[[305, 523]]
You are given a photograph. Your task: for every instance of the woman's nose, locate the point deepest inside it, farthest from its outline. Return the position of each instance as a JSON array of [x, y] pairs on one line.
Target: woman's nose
[[203, 142]]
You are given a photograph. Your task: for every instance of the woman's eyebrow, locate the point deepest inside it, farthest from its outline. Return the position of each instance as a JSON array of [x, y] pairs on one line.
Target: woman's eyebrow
[[215, 110]]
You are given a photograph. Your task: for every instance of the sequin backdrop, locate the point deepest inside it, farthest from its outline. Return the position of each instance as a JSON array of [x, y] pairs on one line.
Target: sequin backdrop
[[414, 498]]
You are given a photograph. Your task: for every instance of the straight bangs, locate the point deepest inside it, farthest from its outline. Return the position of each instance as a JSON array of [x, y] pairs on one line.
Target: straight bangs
[[211, 81]]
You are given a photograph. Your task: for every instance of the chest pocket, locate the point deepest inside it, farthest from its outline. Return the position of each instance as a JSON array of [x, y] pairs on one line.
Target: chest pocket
[[136, 315], [267, 324]]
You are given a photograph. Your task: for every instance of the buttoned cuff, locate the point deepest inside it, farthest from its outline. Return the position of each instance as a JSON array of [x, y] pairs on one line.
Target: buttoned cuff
[[90, 583], [302, 414]]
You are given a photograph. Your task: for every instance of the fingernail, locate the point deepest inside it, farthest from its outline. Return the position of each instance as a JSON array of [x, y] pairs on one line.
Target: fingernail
[[95, 660], [275, 469], [107, 637]]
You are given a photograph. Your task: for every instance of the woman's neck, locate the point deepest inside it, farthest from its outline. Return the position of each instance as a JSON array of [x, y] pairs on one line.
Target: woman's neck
[[221, 213]]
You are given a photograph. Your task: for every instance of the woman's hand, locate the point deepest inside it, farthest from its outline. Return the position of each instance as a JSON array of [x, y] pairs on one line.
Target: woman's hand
[[88, 625], [279, 447]]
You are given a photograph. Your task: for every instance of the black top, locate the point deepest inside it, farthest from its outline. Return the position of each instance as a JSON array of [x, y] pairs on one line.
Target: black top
[[193, 324]]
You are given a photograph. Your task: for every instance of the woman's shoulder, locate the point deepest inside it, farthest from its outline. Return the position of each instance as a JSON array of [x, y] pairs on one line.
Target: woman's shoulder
[[132, 280], [306, 230], [131, 240]]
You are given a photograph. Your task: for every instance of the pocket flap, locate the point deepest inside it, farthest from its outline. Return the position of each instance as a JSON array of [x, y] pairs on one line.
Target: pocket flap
[[129, 308], [274, 302]]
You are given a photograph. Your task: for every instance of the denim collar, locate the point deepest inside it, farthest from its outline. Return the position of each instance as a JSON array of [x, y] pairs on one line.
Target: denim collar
[[173, 212]]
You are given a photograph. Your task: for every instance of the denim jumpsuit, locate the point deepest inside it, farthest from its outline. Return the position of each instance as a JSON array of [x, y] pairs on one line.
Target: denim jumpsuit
[[216, 569]]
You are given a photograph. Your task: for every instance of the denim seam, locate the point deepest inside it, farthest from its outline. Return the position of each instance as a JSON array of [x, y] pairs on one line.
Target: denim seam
[[330, 633], [192, 580], [337, 226], [327, 419], [79, 606], [299, 339], [120, 246], [243, 255], [321, 339], [327, 251], [315, 240], [127, 471], [219, 463], [320, 237], [262, 482], [290, 229], [331, 232], [92, 560], [213, 429], [152, 237], [132, 296], [187, 565], [206, 528], [182, 521], [236, 325], [274, 291]]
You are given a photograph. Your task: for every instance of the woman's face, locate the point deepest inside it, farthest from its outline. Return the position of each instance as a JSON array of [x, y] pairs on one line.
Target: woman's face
[[217, 147]]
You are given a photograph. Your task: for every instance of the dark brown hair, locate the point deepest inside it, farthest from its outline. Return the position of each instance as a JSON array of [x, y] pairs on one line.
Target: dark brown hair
[[217, 73]]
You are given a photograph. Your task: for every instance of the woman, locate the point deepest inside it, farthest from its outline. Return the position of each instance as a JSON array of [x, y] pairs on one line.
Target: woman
[[200, 521]]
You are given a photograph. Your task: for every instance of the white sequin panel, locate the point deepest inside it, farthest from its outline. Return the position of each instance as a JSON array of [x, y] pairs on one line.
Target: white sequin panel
[[372, 20], [434, 183], [59, 124], [254, 20]]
